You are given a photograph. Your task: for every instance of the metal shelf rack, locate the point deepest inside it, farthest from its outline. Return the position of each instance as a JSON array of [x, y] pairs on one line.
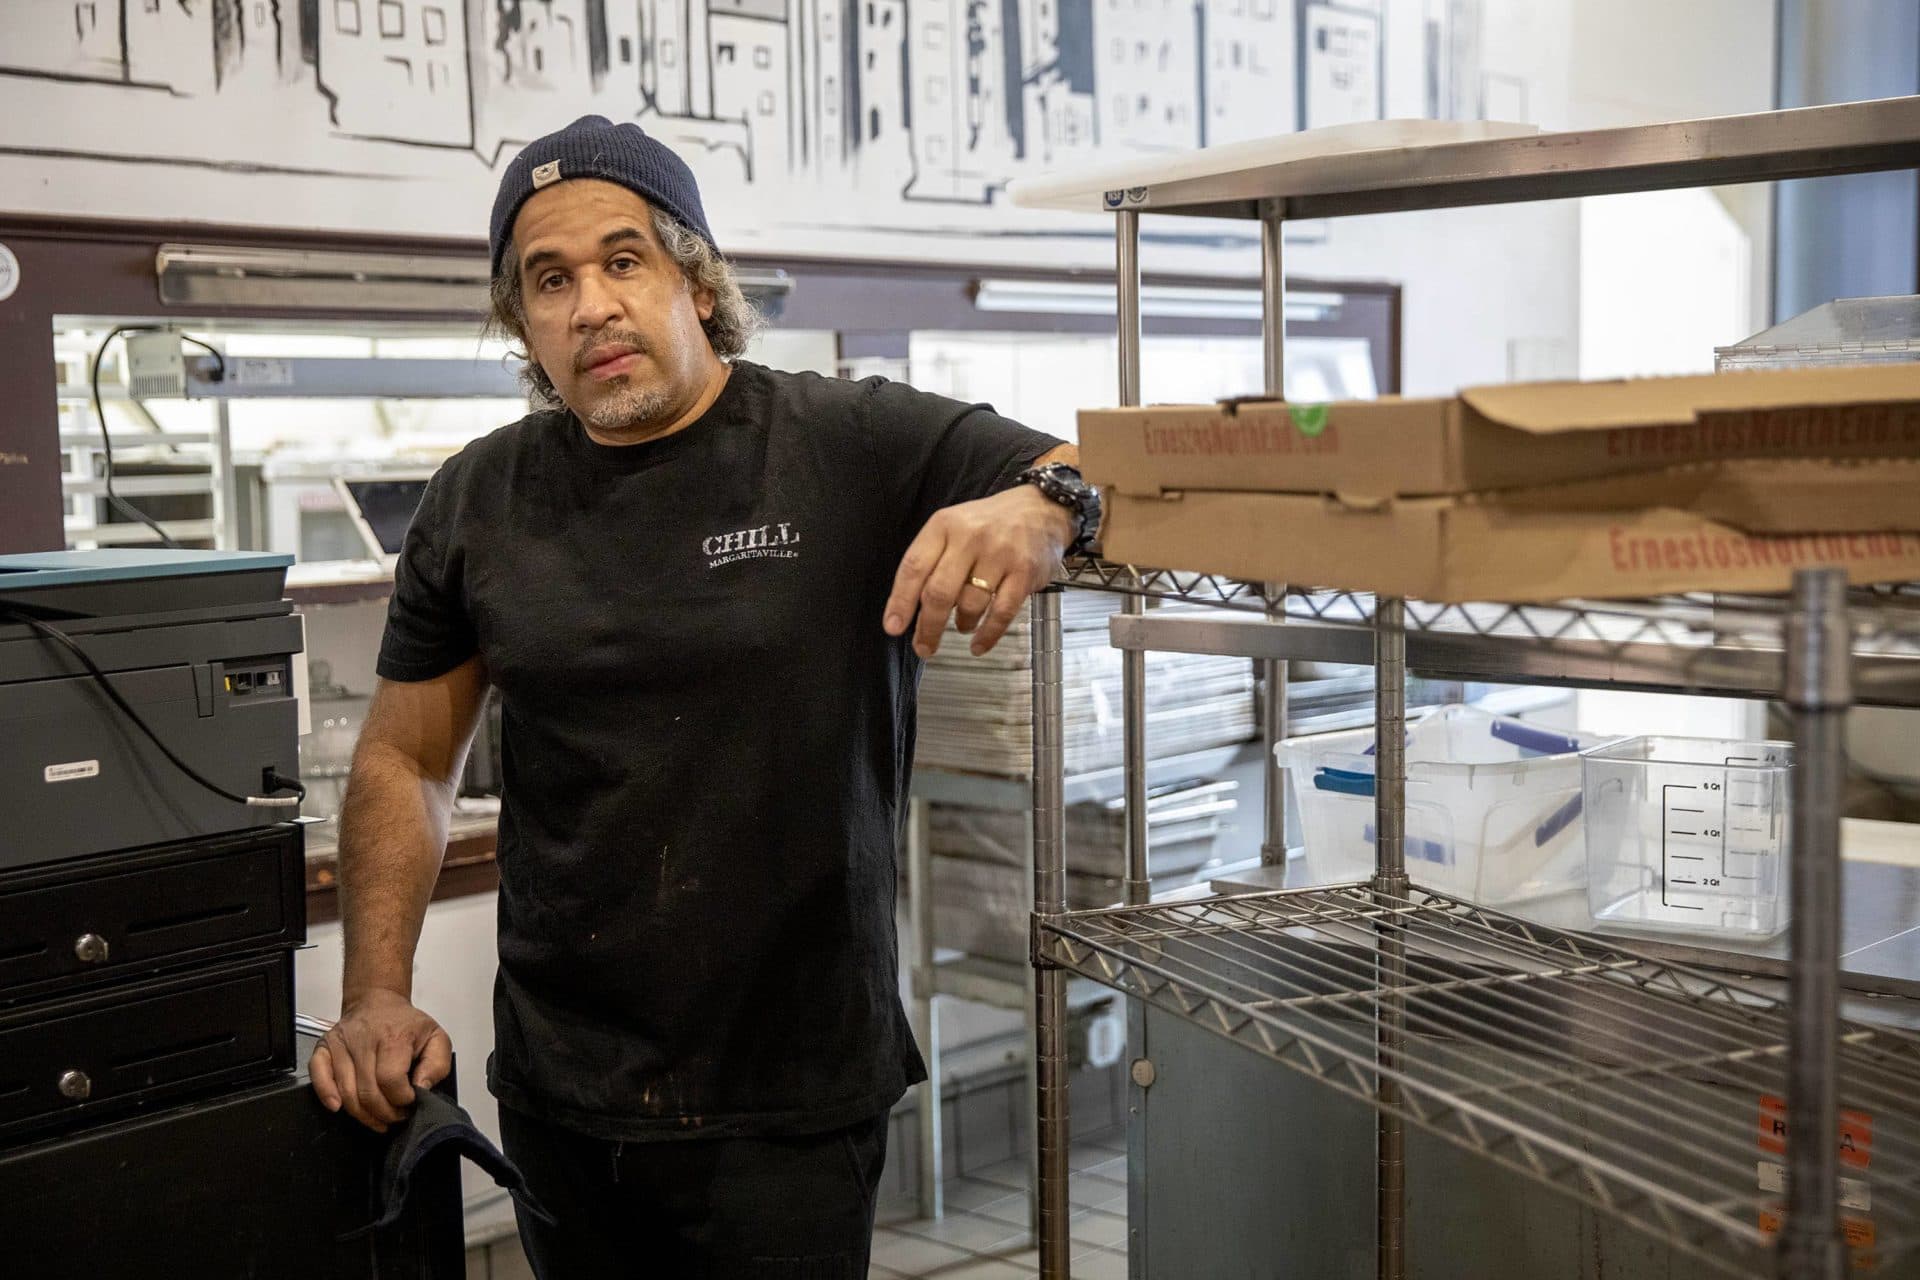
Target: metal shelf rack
[[1000, 984], [1717, 645], [1489, 1032], [1516, 1036]]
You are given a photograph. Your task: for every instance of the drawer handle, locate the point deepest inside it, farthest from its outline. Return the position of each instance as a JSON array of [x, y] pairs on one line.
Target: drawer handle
[[75, 1086], [90, 948]]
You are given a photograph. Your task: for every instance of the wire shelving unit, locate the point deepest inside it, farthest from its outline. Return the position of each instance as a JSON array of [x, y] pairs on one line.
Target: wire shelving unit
[[1578, 1062]]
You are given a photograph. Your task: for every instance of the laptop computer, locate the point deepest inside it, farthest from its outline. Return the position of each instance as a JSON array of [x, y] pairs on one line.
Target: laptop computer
[[381, 507]]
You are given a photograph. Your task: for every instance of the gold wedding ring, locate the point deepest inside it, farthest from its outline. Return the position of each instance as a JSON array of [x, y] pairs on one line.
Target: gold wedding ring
[[981, 583]]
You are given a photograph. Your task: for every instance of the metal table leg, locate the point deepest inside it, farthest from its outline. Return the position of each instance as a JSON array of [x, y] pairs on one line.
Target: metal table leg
[[1049, 898], [1390, 886], [1032, 1026], [1273, 671], [1133, 662], [926, 1019], [1819, 689], [1133, 722]]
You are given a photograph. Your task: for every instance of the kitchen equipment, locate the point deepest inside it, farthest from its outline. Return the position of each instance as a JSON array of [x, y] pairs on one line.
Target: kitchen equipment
[[199, 646], [1689, 834], [1493, 805]]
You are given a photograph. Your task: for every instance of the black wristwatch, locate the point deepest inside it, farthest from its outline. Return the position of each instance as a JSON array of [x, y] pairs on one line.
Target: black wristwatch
[[1062, 484]]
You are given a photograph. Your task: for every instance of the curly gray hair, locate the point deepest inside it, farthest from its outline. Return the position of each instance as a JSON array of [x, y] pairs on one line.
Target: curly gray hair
[[729, 329]]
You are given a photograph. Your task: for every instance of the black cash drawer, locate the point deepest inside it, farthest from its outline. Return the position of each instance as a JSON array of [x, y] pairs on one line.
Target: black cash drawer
[[74, 1059], [257, 1181], [75, 923]]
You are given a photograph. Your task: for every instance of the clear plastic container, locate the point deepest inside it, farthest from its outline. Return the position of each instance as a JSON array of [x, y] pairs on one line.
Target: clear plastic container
[[1493, 805], [1689, 835]]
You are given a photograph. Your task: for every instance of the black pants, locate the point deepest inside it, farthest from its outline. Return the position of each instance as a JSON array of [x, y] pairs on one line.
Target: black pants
[[699, 1209]]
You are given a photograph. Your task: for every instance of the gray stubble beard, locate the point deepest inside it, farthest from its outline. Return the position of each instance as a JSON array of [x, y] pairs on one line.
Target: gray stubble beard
[[627, 408]]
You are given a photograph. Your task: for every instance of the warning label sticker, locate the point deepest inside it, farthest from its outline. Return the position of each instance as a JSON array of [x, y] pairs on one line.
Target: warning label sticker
[[1856, 1194], [1856, 1132], [1859, 1231]]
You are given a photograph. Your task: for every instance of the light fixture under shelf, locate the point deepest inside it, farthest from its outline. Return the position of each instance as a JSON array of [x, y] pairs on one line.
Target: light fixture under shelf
[[1198, 302], [193, 275]]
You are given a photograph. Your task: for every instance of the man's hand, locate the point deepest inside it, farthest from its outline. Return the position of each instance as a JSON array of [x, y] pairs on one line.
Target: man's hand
[[1012, 542], [380, 1051]]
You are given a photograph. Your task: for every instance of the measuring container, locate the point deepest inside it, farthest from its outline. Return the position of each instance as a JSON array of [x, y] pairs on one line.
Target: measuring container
[[1493, 805], [1688, 835]]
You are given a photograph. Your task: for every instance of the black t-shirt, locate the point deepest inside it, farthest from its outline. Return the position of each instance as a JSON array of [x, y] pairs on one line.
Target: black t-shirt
[[707, 739]]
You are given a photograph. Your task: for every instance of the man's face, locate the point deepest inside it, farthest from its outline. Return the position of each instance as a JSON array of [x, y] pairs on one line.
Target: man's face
[[609, 315]]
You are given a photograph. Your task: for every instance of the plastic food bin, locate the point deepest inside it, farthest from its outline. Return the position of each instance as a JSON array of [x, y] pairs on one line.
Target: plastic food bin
[[1493, 805], [1689, 835]]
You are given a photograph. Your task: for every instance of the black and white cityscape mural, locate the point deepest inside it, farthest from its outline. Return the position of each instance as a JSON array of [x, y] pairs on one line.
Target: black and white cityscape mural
[[840, 126]]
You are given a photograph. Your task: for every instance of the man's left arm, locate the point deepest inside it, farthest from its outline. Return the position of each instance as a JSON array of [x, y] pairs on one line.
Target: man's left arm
[[978, 562]]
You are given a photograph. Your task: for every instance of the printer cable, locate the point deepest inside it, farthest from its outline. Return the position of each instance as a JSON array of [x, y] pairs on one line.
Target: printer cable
[[270, 778]]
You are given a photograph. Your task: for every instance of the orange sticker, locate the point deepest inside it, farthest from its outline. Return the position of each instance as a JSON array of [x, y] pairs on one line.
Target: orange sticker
[[1859, 1232], [1773, 1124], [1856, 1132], [1856, 1139]]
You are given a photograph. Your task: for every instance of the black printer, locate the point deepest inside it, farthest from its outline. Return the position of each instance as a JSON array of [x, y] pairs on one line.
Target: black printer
[[152, 875], [199, 645]]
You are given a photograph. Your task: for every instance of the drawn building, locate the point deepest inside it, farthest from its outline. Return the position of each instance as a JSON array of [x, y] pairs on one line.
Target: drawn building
[[958, 92], [878, 103], [252, 45], [675, 76], [396, 69], [1057, 99], [751, 55], [1246, 70], [614, 53], [1146, 60], [676, 86], [543, 43], [927, 101], [170, 46], [822, 37], [69, 38]]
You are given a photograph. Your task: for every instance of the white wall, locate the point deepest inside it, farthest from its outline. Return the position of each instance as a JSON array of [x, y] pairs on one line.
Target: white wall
[[1640, 61], [1495, 294], [1665, 277], [1480, 286]]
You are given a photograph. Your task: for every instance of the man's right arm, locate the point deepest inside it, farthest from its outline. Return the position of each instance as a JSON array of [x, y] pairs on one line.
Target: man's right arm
[[393, 834]]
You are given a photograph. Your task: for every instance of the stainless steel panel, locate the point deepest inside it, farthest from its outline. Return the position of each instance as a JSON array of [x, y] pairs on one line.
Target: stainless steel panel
[[1263, 1173], [1851, 137]]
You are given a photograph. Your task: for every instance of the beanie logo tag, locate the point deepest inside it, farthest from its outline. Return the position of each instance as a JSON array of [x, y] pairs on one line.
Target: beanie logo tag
[[546, 175]]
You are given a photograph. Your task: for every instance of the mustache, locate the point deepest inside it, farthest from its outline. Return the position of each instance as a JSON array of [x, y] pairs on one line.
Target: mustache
[[582, 357]]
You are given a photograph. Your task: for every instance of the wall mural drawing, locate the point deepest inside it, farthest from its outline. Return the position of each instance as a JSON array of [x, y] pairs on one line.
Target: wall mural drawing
[[853, 127]]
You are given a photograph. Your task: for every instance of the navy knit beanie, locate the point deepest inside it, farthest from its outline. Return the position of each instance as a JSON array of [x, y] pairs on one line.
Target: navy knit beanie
[[595, 147]]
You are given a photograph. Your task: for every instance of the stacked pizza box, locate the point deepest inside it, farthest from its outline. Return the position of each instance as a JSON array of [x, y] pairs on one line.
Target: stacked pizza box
[[1536, 491]]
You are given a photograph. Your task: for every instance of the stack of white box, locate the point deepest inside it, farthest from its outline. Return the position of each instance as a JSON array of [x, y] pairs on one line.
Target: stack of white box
[[976, 714]]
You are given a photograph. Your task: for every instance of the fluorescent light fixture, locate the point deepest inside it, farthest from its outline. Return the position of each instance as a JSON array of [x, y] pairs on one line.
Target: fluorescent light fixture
[[1196, 302], [329, 280]]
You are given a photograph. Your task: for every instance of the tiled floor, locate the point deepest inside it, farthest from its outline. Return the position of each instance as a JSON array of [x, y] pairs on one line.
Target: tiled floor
[[984, 1234]]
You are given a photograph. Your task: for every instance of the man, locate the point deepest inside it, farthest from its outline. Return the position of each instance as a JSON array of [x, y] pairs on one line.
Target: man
[[704, 590]]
